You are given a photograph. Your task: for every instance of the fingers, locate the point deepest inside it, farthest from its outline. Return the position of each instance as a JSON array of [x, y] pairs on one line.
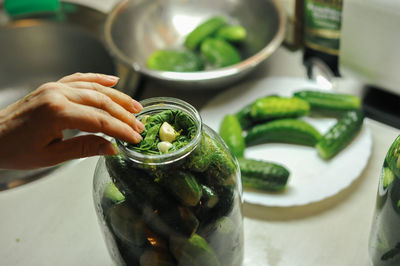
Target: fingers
[[117, 96], [106, 80], [91, 119], [79, 147], [103, 102], [112, 112], [100, 83]]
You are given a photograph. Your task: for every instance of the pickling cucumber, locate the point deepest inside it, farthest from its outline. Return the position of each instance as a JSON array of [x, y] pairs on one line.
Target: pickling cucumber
[[231, 132], [244, 117], [204, 30], [175, 60], [232, 33], [112, 193], [326, 103], [127, 225], [194, 251], [158, 208], [271, 107], [263, 175], [209, 198], [287, 130], [219, 53], [183, 186], [393, 157], [387, 177], [216, 202], [340, 134], [156, 257]]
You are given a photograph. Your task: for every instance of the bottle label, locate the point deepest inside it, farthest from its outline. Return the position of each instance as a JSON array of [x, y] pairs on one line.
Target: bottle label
[[322, 25]]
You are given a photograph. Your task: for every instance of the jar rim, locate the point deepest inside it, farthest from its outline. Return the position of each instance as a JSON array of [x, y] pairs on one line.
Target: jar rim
[[158, 104]]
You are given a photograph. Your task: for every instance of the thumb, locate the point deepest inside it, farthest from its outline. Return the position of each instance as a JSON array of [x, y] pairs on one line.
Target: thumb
[[80, 147]]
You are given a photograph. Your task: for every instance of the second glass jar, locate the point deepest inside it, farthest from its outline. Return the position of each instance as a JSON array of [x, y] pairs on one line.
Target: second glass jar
[[384, 242]]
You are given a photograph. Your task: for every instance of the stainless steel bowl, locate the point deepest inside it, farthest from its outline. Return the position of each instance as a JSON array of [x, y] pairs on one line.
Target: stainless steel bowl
[[136, 28], [45, 47]]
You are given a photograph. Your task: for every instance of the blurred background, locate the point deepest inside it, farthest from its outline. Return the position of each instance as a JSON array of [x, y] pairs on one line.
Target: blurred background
[[345, 45]]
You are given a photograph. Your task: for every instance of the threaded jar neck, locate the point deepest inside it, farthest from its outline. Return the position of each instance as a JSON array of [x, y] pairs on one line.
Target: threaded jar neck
[[156, 105]]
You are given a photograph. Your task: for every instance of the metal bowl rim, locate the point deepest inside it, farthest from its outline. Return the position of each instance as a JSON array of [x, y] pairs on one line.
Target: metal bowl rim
[[205, 75]]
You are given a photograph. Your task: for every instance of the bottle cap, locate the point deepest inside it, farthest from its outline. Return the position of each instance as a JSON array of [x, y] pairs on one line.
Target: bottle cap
[[23, 7]]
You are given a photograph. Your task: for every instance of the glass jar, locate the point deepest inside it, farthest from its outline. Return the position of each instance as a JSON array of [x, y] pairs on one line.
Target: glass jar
[[384, 242], [178, 208]]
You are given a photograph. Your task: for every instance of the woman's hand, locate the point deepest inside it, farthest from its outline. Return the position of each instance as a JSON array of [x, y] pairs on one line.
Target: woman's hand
[[31, 128]]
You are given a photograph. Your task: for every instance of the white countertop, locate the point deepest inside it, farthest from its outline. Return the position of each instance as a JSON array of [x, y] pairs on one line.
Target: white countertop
[[52, 221]]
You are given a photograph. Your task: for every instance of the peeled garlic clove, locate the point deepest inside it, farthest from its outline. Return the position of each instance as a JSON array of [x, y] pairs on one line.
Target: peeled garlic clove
[[167, 132], [164, 146]]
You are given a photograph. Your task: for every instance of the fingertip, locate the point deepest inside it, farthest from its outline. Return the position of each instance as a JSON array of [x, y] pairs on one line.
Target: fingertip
[[106, 80], [137, 137], [130, 135], [107, 149], [111, 78], [137, 107], [140, 126]]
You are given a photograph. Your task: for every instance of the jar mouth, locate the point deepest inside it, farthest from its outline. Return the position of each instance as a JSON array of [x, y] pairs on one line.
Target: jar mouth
[[155, 105]]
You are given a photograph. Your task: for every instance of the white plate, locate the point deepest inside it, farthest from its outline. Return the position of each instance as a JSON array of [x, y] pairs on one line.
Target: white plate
[[311, 178]]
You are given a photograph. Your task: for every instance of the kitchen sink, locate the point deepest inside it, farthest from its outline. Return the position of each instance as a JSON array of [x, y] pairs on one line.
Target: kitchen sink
[[44, 47]]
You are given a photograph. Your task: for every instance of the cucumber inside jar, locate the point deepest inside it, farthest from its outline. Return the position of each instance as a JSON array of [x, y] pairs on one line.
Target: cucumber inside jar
[[384, 244], [172, 213]]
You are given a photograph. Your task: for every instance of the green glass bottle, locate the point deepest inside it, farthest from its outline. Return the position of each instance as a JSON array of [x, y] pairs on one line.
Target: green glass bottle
[[322, 23]]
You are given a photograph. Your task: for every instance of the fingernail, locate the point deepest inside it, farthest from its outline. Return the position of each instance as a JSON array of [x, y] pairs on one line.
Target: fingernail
[[138, 137], [107, 149], [112, 78], [140, 126], [137, 106]]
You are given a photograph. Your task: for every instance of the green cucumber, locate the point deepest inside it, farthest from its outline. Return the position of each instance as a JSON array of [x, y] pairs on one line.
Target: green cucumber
[[174, 60], [231, 132], [183, 186], [209, 206], [203, 31], [219, 53], [156, 257], [127, 225], [221, 178], [393, 157], [287, 130], [244, 117], [209, 198], [196, 161], [136, 185], [232, 33], [387, 177], [158, 208], [222, 167], [340, 134], [112, 193], [326, 103], [271, 107], [263, 175], [194, 251]]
